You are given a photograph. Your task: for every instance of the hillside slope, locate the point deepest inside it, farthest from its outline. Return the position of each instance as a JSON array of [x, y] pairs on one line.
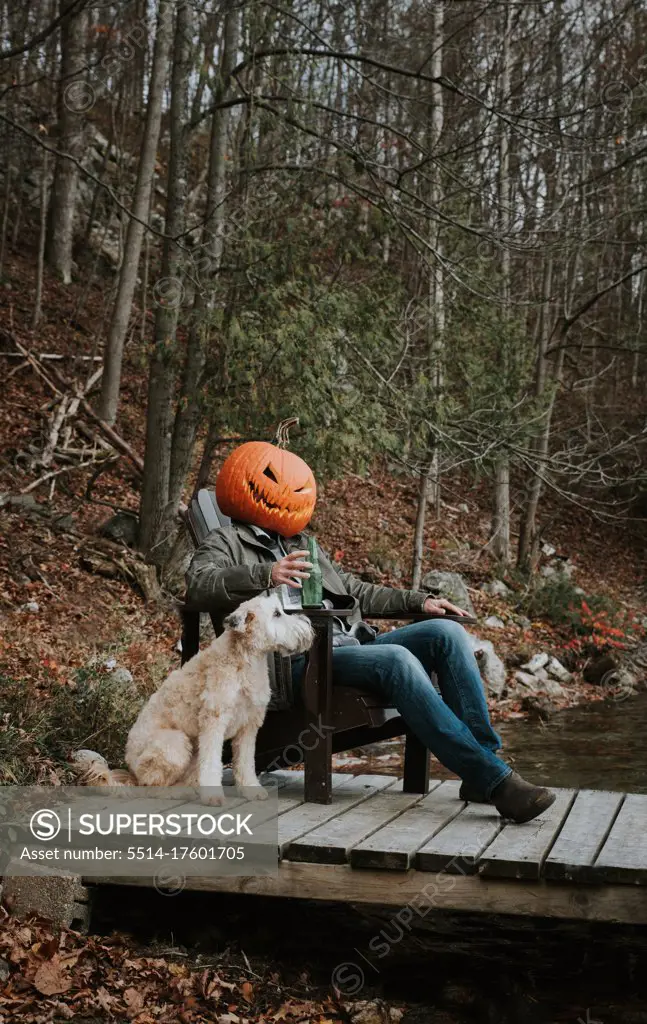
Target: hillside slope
[[63, 618]]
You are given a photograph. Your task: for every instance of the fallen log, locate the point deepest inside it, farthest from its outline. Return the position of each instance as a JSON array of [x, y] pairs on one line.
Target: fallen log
[[54, 356], [54, 473], [113, 561]]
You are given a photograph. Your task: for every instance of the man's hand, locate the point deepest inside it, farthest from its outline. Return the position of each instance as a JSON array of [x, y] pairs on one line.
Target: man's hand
[[438, 606], [291, 569]]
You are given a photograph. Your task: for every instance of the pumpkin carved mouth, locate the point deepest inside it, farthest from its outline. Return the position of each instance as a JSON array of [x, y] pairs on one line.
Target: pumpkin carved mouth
[[261, 498]]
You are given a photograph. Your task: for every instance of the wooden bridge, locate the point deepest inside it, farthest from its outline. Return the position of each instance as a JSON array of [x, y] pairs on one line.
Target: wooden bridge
[[584, 858]]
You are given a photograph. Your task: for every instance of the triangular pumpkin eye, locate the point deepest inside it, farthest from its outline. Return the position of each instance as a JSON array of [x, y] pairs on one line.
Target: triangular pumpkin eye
[[268, 472]]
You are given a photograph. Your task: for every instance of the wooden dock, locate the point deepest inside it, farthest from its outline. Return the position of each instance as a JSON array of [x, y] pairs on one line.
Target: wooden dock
[[585, 858]]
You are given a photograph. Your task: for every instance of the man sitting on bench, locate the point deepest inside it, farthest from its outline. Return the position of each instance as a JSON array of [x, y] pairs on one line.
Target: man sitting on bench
[[261, 550]]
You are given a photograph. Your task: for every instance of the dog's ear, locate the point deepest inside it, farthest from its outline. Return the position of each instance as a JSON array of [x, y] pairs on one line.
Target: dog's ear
[[238, 622]]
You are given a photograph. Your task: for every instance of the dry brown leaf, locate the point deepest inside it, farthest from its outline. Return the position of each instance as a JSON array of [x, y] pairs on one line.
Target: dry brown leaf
[[104, 999], [213, 991], [70, 959], [50, 978], [247, 990], [63, 1011], [134, 1000], [179, 970]]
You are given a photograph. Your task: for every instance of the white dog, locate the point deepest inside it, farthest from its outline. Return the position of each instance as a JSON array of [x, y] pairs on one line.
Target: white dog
[[222, 693]]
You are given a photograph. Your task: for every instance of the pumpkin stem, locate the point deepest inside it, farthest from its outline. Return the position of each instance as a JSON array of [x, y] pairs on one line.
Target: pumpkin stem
[[283, 429]]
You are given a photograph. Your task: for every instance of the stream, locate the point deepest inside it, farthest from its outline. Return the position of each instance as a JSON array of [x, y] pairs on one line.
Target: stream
[[594, 746]]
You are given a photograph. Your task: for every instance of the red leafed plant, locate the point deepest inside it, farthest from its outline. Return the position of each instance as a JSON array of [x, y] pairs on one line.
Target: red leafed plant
[[596, 634]]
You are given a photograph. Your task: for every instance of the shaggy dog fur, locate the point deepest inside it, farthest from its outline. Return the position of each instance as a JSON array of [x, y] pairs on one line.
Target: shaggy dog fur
[[222, 693]]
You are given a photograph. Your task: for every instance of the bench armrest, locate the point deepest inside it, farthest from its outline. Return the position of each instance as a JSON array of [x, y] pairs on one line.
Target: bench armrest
[[466, 620]]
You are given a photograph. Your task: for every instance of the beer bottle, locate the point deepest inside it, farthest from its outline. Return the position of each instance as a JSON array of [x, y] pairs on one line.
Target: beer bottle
[[312, 592]]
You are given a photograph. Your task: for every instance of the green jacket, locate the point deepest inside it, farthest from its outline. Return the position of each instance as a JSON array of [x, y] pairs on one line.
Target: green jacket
[[232, 565]]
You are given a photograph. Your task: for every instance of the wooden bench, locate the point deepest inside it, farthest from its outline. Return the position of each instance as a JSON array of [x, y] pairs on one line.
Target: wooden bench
[[322, 720]]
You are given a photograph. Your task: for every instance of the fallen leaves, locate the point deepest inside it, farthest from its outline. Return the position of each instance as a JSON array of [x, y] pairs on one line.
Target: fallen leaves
[[62, 975]]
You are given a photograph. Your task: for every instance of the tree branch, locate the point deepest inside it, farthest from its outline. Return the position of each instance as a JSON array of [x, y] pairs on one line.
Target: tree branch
[[40, 36]]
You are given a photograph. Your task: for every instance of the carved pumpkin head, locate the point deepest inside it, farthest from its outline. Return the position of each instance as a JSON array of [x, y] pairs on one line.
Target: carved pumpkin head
[[268, 487]]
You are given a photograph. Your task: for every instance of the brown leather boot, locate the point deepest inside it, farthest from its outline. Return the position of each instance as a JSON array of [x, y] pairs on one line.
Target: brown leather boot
[[519, 800]]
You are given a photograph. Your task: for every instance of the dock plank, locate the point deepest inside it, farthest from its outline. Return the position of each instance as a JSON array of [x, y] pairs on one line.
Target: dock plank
[[519, 851], [623, 857], [394, 846], [332, 842], [583, 834], [290, 787], [458, 847], [290, 794], [308, 817]]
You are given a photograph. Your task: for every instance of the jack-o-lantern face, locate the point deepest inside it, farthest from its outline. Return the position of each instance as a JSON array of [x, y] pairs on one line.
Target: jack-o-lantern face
[[268, 487]]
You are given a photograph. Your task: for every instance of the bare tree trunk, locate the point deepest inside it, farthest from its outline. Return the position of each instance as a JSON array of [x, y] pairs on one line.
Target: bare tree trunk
[[40, 266], [429, 489], [635, 367], [500, 545], [144, 290], [206, 462], [71, 107], [189, 406], [111, 383], [168, 294], [500, 535], [5, 215], [527, 533], [419, 530], [528, 548], [528, 539]]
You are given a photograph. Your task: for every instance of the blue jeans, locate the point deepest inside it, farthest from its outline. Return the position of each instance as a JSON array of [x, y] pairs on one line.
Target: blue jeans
[[455, 726]]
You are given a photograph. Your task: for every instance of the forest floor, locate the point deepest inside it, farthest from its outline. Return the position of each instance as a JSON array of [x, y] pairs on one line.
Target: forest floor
[[49, 974]]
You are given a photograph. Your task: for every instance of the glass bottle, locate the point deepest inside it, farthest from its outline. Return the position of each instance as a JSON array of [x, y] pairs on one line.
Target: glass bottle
[[312, 592]]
